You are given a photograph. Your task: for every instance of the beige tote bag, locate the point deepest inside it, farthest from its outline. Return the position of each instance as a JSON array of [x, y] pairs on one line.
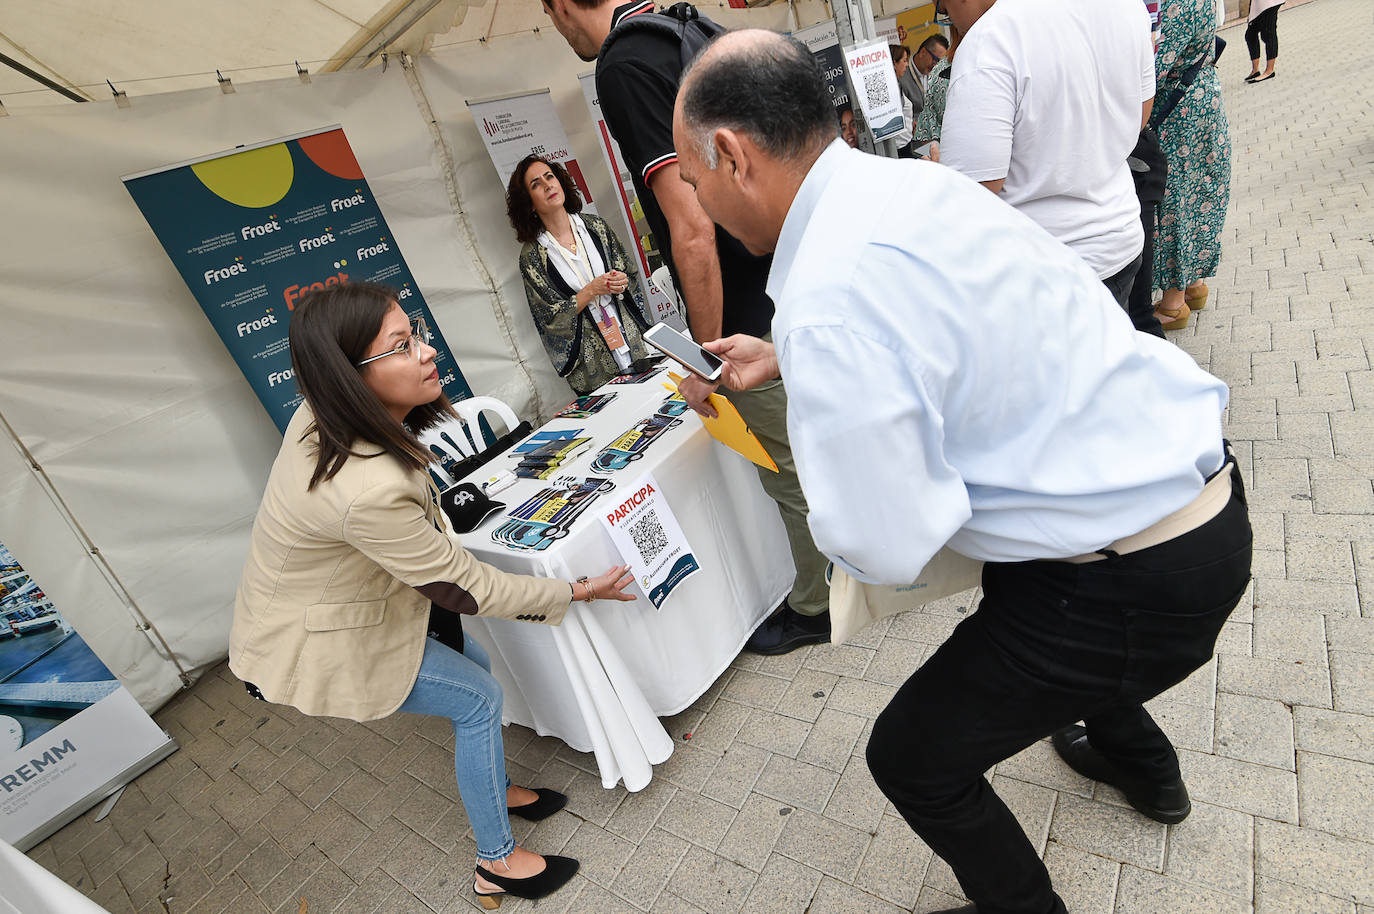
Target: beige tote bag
[[855, 605]]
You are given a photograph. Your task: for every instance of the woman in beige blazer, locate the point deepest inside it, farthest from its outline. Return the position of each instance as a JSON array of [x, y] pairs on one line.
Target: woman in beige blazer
[[350, 556]]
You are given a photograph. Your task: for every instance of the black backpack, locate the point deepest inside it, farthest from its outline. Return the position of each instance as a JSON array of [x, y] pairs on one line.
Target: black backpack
[[681, 22]]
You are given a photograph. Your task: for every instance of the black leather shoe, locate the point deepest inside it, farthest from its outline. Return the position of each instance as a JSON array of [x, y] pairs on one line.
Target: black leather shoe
[[549, 802], [1167, 802], [786, 630], [556, 873]]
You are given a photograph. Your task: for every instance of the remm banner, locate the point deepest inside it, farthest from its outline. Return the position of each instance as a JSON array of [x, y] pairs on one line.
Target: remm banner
[[70, 734], [254, 229]]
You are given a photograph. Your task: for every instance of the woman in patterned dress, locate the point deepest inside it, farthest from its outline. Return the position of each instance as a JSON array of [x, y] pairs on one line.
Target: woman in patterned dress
[[1197, 144], [582, 286]]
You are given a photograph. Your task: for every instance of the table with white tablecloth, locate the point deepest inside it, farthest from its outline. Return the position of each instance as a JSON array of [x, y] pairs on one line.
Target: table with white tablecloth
[[601, 680]]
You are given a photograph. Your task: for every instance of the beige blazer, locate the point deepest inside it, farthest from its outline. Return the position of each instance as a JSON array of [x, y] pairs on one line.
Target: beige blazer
[[328, 617]]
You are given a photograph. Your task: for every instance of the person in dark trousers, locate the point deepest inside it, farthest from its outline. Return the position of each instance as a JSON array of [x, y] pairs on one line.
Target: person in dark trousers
[[1110, 516], [639, 64], [1263, 24]]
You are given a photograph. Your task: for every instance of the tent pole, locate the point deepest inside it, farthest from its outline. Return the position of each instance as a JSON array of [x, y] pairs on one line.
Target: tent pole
[[141, 621], [39, 77]]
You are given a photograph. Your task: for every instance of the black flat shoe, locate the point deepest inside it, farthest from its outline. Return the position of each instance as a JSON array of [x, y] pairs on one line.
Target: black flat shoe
[[786, 630], [1167, 802], [549, 802], [556, 873], [1270, 76], [1252, 77]]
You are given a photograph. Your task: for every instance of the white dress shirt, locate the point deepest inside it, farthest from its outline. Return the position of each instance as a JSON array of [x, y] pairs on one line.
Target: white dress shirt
[[1047, 94], [968, 380]]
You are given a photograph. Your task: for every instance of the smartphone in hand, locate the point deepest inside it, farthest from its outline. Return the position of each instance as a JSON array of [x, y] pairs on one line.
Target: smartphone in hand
[[685, 351]]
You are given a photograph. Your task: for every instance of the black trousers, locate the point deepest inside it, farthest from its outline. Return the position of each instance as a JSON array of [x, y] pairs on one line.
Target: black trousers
[[1052, 643], [1140, 303], [1119, 283], [1266, 26]]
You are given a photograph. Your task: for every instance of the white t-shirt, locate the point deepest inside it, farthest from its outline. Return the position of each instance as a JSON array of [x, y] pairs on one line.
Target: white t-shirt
[[1047, 94]]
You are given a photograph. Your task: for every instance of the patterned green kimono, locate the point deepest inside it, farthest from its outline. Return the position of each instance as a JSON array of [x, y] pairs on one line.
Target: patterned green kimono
[[575, 345], [937, 91], [1197, 144]]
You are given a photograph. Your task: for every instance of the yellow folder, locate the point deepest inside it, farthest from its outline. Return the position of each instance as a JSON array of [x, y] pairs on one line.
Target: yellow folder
[[729, 429]]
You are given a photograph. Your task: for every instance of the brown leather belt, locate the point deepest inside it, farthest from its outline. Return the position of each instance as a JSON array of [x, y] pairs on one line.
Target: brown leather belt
[[1213, 497]]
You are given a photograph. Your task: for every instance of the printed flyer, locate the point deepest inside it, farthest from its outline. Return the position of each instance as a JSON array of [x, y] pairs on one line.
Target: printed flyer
[[870, 70], [254, 229], [650, 540], [70, 734]]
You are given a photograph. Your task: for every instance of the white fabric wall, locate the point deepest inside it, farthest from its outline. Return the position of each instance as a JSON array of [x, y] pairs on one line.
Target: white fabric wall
[[114, 380]]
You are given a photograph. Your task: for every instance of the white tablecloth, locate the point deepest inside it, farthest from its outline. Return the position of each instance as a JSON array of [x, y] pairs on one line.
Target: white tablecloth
[[601, 680]]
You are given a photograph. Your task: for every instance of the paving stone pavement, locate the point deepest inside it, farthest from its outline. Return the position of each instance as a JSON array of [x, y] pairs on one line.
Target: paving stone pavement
[[770, 807]]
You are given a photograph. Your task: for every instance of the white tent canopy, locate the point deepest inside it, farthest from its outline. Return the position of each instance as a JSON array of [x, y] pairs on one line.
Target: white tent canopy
[[149, 47], [134, 452]]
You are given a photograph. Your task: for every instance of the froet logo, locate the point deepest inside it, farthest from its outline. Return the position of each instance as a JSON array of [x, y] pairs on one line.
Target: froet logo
[[380, 248], [280, 377], [261, 323], [257, 231], [345, 202], [310, 244], [403, 294], [293, 294], [234, 269]]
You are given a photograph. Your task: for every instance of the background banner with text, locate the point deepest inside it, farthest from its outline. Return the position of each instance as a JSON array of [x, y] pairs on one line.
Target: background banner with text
[[254, 229]]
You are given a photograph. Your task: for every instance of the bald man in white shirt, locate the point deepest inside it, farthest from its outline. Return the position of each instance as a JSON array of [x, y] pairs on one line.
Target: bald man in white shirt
[[1080, 460]]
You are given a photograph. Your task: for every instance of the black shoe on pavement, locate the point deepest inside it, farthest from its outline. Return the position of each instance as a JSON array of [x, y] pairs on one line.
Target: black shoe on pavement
[[1167, 802], [786, 630]]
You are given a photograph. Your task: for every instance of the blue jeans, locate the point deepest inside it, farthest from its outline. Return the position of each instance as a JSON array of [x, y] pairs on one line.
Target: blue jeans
[[461, 688]]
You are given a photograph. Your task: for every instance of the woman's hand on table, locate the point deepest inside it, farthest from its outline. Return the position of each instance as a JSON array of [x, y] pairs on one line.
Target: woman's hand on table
[[608, 586]]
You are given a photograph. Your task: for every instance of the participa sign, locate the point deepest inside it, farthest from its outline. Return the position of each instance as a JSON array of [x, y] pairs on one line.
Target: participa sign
[[649, 539], [254, 229], [875, 82]]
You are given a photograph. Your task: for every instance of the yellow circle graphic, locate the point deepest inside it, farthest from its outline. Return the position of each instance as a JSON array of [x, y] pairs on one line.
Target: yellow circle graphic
[[255, 179]]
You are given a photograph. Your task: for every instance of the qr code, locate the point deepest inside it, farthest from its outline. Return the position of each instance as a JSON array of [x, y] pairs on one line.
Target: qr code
[[875, 86], [649, 537]]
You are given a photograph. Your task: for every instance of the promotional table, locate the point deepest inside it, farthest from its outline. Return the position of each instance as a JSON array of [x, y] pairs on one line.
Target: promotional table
[[601, 680]]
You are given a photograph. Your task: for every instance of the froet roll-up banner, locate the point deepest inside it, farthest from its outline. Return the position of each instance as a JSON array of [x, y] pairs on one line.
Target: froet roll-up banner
[[254, 229], [875, 82], [70, 734], [824, 45], [661, 304]]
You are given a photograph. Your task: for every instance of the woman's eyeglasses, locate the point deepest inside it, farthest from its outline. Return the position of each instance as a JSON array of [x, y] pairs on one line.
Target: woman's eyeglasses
[[419, 336]]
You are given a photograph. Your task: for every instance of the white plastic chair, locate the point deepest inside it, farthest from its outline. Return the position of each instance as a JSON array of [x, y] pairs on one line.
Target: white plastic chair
[[459, 439]]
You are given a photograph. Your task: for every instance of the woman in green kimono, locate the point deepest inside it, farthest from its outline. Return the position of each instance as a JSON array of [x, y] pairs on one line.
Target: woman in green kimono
[[1196, 142], [582, 286]]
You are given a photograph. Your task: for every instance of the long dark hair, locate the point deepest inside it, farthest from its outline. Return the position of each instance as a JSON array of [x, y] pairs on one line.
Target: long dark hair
[[331, 330], [520, 206]]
